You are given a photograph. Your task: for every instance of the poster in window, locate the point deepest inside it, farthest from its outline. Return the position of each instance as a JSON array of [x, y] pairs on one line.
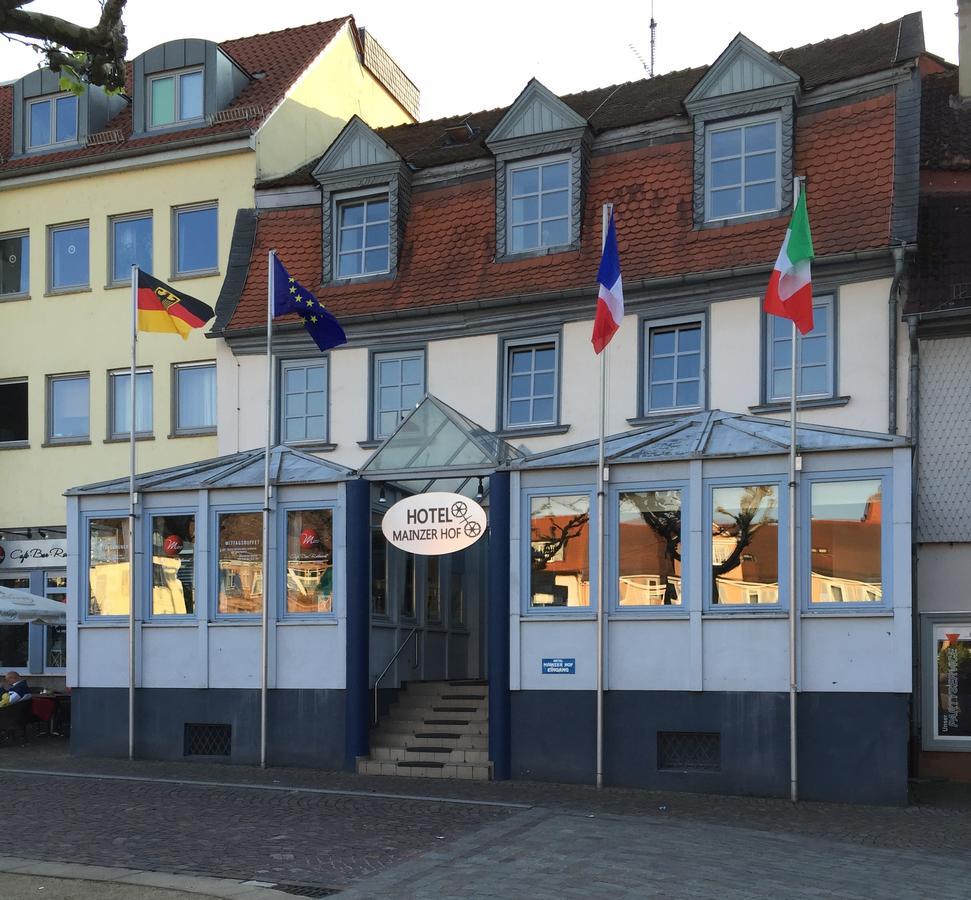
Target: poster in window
[[108, 567], [310, 561], [240, 563], [952, 644], [173, 565]]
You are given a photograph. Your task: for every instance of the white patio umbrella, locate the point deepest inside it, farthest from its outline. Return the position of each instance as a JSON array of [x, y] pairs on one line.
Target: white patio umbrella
[[18, 607]]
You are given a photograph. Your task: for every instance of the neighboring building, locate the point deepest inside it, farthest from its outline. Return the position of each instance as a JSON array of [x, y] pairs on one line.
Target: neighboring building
[[460, 255], [939, 312], [90, 184]]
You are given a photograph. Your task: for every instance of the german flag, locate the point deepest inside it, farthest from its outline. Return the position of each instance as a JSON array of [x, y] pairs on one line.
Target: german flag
[[163, 308]]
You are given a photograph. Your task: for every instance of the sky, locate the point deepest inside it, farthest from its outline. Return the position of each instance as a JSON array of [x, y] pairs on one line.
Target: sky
[[481, 57]]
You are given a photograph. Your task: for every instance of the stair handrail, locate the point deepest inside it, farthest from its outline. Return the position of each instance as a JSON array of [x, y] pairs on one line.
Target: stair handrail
[[391, 662]]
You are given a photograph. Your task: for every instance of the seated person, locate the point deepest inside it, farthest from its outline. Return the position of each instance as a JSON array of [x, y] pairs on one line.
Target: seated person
[[14, 689]]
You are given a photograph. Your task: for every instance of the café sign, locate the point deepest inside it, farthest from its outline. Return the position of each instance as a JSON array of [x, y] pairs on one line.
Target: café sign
[[434, 524], [32, 554]]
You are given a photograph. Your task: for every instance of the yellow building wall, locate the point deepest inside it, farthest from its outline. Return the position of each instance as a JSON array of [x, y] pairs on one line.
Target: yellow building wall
[[90, 331], [320, 104]]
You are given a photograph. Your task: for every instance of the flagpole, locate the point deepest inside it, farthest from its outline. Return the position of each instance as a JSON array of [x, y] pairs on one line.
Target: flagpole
[[601, 530], [793, 580], [264, 625], [133, 576]]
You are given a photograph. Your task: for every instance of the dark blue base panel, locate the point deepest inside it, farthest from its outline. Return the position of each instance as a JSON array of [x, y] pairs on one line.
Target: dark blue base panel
[[304, 727], [852, 747]]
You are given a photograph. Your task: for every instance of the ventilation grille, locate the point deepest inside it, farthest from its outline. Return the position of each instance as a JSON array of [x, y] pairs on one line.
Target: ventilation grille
[[105, 137], [208, 740], [300, 890], [237, 114], [695, 750]]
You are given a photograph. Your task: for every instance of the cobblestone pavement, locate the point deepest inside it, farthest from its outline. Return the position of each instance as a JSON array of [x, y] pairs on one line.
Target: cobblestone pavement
[[303, 827]]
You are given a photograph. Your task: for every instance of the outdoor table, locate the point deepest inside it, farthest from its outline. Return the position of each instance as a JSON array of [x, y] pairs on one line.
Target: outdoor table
[[51, 708]]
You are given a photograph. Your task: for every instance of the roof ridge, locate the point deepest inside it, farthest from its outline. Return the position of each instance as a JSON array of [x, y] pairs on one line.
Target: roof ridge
[[840, 37], [305, 27]]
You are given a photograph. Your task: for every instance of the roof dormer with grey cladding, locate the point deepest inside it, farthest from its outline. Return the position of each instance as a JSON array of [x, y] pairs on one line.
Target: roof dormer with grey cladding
[[359, 170], [182, 84], [48, 118], [537, 125], [743, 85]]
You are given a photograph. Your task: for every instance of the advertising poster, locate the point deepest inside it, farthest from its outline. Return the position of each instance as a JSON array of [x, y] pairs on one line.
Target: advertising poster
[[952, 644]]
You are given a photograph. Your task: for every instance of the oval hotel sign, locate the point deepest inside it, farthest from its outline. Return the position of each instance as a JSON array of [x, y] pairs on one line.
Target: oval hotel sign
[[434, 524]]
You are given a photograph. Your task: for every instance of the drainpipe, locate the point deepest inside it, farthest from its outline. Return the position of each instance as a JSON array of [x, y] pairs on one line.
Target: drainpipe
[[898, 271], [913, 423]]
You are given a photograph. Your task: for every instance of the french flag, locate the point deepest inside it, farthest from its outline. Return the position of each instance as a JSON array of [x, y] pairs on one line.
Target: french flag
[[610, 300]]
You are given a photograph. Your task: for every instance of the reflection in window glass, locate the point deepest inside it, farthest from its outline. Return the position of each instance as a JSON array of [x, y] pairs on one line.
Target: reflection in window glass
[[196, 398], [173, 565], [745, 545], [13, 646], [433, 597], [69, 257], [560, 551], [650, 548], [131, 244], [69, 408], [163, 100], [845, 555], [197, 240], [240, 550], [310, 561], [109, 570], [379, 571]]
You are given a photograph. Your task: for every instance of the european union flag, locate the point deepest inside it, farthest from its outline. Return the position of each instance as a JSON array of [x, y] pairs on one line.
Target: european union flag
[[291, 296]]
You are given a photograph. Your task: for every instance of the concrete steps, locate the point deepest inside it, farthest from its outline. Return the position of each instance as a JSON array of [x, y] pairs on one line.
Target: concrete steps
[[435, 730]]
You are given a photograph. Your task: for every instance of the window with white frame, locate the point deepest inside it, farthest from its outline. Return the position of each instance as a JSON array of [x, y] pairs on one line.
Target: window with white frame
[[68, 257], [175, 97], [815, 355], [538, 205], [67, 408], [742, 168], [14, 264], [119, 403], [399, 383], [362, 236], [530, 383], [131, 244], [51, 121], [303, 400], [674, 371], [196, 239], [194, 398]]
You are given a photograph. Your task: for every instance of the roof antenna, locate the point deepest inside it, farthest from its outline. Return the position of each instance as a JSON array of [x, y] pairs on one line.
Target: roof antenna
[[653, 37]]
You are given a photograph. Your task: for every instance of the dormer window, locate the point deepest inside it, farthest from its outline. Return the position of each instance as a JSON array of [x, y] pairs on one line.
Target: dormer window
[[742, 168], [362, 236], [539, 204], [52, 121], [175, 97]]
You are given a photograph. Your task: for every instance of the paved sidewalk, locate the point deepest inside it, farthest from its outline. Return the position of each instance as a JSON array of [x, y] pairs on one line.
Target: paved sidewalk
[[32, 887]]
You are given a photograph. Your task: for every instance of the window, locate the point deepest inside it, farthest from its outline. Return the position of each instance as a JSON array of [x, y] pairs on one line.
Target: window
[[433, 595], [173, 565], [846, 541], [559, 551], [175, 97], [196, 240], [815, 355], [649, 548], [951, 686], [13, 410], [745, 545], [310, 561], [456, 595], [55, 636], [399, 384], [131, 244], [195, 398], [303, 401], [119, 386], [742, 169], [52, 121], [673, 367], [69, 257], [539, 205], [379, 570], [363, 237], [109, 571], [407, 606], [67, 408], [530, 380], [14, 264], [240, 549]]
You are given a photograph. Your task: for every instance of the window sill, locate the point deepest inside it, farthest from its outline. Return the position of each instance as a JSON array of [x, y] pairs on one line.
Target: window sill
[[811, 403], [663, 415], [318, 619], [539, 251], [371, 444], [741, 220], [359, 279], [649, 613], [743, 613], [847, 612], [311, 447], [126, 439], [110, 622], [253, 620], [185, 276], [211, 432], [533, 431], [186, 620], [79, 443], [13, 298], [62, 292], [15, 445], [587, 615]]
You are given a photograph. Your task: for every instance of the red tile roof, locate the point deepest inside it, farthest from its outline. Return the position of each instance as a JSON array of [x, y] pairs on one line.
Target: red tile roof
[[281, 55], [449, 242]]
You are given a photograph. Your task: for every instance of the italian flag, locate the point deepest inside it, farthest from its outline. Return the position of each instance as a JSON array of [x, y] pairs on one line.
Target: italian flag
[[790, 292]]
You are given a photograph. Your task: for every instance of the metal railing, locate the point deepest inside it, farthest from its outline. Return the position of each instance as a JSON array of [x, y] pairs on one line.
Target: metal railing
[[391, 662]]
